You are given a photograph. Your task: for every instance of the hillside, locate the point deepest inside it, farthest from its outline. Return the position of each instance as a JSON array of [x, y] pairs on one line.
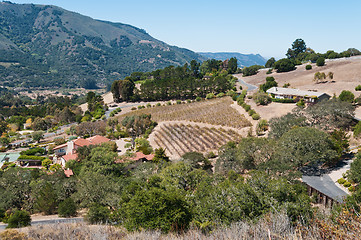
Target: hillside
[[47, 46], [244, 60], [347, 75]]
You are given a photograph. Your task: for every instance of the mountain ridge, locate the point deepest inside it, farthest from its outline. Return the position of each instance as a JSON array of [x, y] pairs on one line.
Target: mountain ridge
[[56, 47], [244, 60]]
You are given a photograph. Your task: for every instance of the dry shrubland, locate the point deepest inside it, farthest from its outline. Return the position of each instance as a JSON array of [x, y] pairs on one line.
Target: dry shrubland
[[215, 111]]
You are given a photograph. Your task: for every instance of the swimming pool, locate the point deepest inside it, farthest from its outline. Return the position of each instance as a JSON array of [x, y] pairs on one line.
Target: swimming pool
[[12, 157]]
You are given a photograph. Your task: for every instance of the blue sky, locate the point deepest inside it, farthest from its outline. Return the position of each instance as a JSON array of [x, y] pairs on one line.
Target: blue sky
[[254, 26]]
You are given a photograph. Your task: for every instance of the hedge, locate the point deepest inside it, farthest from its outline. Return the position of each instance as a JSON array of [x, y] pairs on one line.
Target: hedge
[[27, 157], [284, 100]]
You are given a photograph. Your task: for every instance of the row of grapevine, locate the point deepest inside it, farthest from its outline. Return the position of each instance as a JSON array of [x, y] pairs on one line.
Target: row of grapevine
[[178, 139]]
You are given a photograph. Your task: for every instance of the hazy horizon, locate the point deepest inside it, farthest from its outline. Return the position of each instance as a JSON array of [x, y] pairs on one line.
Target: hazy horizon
[[247, 27]]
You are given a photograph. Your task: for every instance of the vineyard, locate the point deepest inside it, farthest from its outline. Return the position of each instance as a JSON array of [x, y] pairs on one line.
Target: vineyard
[[215, 111], [178, 138]]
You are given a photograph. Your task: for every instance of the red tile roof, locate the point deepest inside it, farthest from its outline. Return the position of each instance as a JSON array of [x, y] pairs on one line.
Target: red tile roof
[[68, 172], [81, 142], [98, 139], [60, 146], [70, 157], [140, 155]]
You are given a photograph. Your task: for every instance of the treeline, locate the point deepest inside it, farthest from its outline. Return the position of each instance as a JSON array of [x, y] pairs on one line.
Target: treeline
[[296, 55], [182, 82]]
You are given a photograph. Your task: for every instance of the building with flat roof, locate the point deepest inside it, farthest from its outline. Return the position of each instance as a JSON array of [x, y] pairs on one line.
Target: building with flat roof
[[297, 94]]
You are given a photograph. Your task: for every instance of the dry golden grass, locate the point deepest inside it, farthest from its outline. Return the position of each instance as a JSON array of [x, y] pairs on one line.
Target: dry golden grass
[[216, 112], [178, 139]]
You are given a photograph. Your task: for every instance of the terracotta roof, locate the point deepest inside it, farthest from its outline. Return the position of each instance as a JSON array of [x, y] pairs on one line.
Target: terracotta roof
[[140, 155], [98, 139], [60, 146], [68, 172], [81, 142], [70, 157]]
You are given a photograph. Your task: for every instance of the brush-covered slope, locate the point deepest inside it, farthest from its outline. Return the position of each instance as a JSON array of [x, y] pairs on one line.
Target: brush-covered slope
[[49, 46]]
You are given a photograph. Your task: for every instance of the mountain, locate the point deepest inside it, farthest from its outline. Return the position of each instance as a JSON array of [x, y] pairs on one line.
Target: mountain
[[47, 46], [244, 60]]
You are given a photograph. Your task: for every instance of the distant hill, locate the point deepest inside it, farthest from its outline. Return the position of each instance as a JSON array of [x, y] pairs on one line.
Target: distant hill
[[244, 60], [47, 46]]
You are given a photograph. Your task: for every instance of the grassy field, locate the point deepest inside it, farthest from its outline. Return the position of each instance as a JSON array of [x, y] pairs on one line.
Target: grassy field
[[179, 139], [216, 112]]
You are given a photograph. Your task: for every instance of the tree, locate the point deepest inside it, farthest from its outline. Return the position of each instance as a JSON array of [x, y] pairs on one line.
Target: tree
[[355, 169], [98, 214], [232, 65], [19, 219], [261, 98], [37, 136], [197, 161], [156, 208], [319, 76], [160, 156], [298, 46], [270, 62], [46, 199], [284, 65], [195, 68], [46, 163], [281, 125], [251, 70], [123, 90], [305, 145], [347, 96], [3, 127], [67, 208], [330, 75], [320, 61], [270, 82]]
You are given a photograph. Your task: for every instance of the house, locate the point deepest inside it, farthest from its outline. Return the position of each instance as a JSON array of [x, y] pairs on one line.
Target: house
[[67, 151], [297, 94], [141, 156]]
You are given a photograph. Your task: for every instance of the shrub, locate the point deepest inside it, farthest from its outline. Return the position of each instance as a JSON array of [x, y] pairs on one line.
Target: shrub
[[149, 105], [346, 184], [262, 126], [235, 97], [198, 99], [252, 70], [178, 101], [189, 101], [210, 155], [12, 234], [358, 88], [169, 103], [341, 181], [251, 112], [269, 71], [19, 219], [284, 100], [256, 116], [357, 130], [220, 95], [230, 93], [320, 61], [308, 67], [97, 214], [27, 157], [210, 96], [247, 107], [346, 96], [158, 104], [35, 151], [67, 208], [284, 65], [261, 98], [301, 103], [133, 108], [351, 188]]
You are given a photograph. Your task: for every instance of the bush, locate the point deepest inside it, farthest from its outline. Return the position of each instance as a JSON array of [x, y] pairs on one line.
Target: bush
[[256, 116], [67, 208], [35, 151], [357, 130], [178, 101], [284, 100], [252, 70], [284, 65], [351, 188], [346, 184], [210, 96], [12, 234], [251, 112], [269, 71], [169, 103], [27, 157], [133, 108], [341, 181], [358, 88], [308, 67], [158, 104], [97, 214], [247, 107], [261, 98], [219, 95], [198, 99], [19, 219], [320, 61], [346, 96]]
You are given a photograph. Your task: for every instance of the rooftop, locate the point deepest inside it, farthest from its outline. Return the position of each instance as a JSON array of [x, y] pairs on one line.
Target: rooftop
[[70, 157], [140, 155], [294, 92]]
